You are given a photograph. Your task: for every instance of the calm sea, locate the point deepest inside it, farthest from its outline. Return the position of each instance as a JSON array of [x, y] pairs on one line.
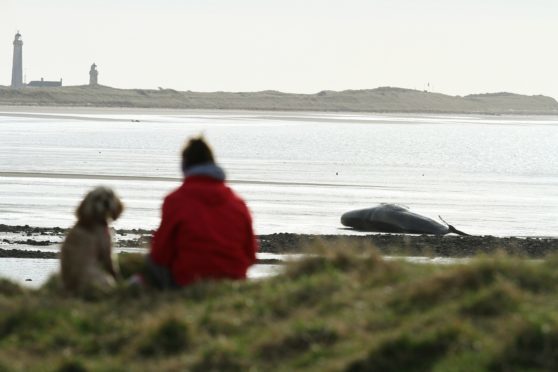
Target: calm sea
[[298, 172]]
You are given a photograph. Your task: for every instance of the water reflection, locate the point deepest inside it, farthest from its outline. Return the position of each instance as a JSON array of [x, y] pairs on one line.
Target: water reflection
[[34, 272]]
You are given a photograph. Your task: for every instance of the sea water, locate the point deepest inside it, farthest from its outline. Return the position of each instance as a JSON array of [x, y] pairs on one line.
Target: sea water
[[34, 272], [298, 172]]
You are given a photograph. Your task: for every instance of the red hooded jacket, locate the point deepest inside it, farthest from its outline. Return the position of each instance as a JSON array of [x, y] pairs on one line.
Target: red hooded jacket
[[205, 232]]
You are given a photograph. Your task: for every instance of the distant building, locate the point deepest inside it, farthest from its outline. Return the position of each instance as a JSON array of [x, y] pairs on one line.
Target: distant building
[[17, 69], [43, 83], [17, 66], [93, 74]]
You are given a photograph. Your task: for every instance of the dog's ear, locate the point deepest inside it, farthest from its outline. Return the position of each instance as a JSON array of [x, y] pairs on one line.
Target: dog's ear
[[114, 207], [84, 212], [109, 205]]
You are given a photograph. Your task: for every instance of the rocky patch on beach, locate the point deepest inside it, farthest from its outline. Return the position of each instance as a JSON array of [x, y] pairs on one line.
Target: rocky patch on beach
[[392, 244], [418, 245]]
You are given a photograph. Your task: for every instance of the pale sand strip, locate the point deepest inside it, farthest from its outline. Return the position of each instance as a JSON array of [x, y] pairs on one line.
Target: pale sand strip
[[83, 176], [61, 117], [167, 179]]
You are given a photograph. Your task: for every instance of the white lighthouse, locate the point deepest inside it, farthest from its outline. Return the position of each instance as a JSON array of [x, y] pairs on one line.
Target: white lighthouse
[[17, 67]]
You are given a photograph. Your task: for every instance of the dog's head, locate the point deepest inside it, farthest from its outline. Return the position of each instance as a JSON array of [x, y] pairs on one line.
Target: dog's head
[[100, 205]]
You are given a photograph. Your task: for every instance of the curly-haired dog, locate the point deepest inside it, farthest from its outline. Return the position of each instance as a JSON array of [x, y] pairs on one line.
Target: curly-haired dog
[[86, 256]]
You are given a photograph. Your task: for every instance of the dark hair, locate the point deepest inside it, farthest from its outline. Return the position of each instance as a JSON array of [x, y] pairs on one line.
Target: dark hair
[[196, 152]]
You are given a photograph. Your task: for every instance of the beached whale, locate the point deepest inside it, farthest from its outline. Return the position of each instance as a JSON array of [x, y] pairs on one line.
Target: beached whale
[[395, 218]]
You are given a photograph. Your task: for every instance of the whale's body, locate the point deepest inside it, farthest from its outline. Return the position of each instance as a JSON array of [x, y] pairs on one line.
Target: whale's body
[[394, 218]]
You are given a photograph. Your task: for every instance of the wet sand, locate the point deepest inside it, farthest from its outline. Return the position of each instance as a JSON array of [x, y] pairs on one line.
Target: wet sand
[[390, 244]]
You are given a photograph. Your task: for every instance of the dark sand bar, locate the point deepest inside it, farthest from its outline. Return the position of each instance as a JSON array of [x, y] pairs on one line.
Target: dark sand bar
[[389, 244]]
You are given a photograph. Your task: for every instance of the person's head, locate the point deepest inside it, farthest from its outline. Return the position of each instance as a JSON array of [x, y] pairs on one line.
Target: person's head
[[196, 152]]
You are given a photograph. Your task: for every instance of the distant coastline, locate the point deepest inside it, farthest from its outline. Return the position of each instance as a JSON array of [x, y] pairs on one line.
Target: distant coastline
[[380, 100]]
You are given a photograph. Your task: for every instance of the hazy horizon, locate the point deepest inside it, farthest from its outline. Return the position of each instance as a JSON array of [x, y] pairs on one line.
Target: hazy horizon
[[451, 47]]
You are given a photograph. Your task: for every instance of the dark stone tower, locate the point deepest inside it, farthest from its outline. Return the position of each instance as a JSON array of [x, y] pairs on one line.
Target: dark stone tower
[[17, 67], [93, 73]]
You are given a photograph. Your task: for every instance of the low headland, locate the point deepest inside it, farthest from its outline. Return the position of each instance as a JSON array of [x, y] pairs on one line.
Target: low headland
[[383, 99], [345, 308]]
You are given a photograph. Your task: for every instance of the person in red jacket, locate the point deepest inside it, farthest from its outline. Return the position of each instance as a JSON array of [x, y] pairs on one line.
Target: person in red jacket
[[206, 229]]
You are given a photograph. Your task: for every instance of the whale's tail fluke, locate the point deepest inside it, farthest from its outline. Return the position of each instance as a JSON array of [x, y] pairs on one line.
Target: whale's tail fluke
[[452, 229]]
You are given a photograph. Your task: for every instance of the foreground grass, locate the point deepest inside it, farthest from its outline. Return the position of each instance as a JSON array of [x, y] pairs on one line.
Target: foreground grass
[[338, 311]]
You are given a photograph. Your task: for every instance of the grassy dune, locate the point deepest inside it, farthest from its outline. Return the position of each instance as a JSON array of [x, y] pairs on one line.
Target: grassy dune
[[385, 99], [342, 310]]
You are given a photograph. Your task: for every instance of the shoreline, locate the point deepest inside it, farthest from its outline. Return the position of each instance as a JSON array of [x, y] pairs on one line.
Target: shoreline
[[14, 109], [287, 243]]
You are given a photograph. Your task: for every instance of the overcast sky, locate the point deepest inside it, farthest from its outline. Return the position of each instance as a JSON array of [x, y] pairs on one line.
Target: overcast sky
[[457, 46]]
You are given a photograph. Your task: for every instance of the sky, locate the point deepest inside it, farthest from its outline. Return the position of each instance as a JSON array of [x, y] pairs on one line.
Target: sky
[[302, 46]]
